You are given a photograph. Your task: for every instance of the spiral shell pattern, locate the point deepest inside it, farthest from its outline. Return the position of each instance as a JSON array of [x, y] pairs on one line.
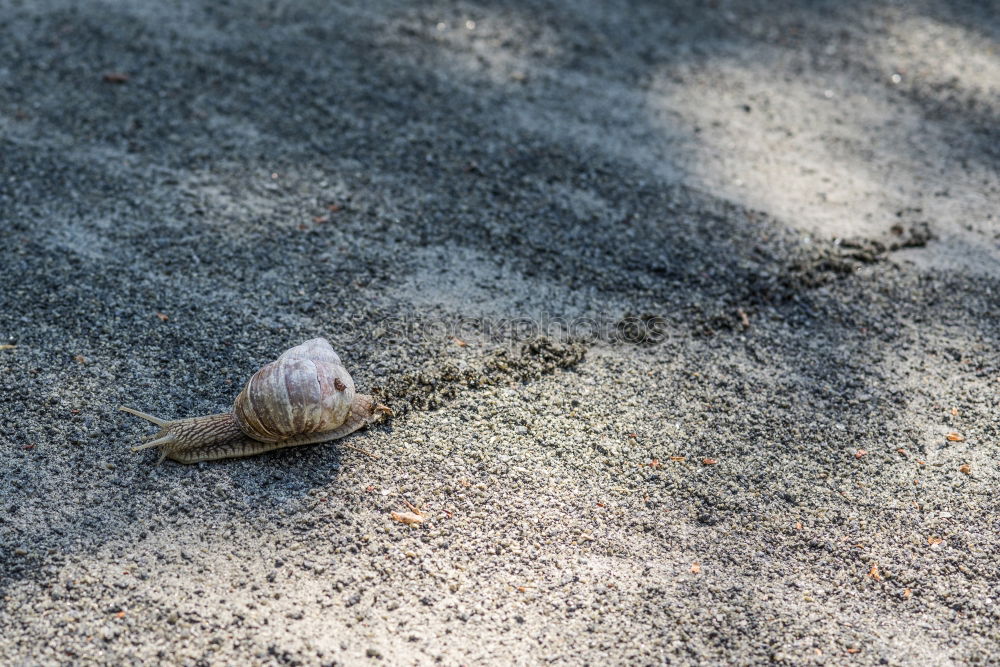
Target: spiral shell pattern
[[305, 390]]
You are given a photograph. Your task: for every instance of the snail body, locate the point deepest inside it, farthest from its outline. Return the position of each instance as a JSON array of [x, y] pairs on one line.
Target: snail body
[[303, 397]]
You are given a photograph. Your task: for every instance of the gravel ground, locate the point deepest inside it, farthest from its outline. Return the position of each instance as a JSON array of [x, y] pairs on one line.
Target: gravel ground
[[688, 313]]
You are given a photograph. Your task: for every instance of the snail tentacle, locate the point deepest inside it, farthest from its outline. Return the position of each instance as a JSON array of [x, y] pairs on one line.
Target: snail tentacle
[[143, 415]]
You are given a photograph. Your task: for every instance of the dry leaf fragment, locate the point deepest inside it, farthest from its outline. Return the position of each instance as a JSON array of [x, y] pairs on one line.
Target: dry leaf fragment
[[655, 463], [907, 593], [860, 454], [459, 342], [7, 347], [163, 317], [798, 525], [115, 77], [695, 567], [900, 450], [120, 614], [744, 319], [320, 219], [334, 208], [413, 508], [955, 437], [934, 540], [874, 573], [965, 468], [409, 518], [678, 458], [853, 650], [709, 462], [80, 359]]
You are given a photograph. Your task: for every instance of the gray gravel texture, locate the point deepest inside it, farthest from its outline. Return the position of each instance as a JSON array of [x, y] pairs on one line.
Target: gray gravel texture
[[793, 207]]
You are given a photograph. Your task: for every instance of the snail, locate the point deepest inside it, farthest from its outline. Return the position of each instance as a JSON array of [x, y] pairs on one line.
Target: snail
[[305, 396]]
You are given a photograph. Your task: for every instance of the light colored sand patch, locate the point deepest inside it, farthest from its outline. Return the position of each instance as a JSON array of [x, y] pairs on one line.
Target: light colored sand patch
[[834, 160]]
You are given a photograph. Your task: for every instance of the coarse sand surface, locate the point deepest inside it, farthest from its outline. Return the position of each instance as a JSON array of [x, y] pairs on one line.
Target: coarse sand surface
[[688, 314]]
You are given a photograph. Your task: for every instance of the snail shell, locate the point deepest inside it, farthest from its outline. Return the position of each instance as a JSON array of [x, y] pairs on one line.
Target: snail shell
[[305, 390], [303, 397]]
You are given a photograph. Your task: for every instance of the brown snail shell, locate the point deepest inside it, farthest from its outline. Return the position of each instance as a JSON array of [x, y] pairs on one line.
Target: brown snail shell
[[305, 390]]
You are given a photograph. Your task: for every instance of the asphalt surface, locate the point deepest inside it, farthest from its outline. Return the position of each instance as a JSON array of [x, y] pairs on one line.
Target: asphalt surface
[[687, 312]]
